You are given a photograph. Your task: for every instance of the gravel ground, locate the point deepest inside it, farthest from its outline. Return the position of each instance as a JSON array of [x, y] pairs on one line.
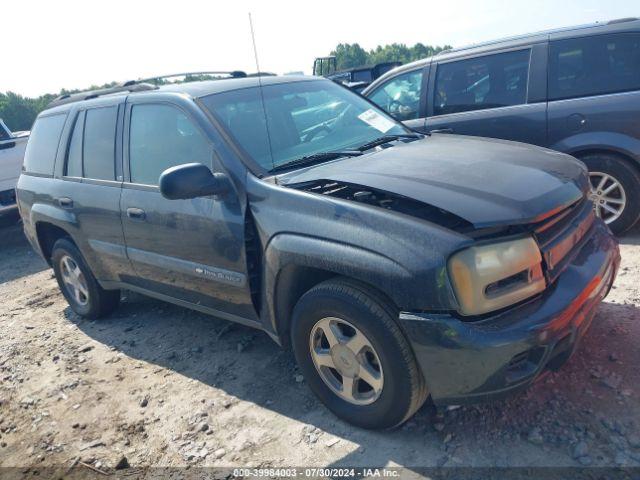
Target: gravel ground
[[159, 385]]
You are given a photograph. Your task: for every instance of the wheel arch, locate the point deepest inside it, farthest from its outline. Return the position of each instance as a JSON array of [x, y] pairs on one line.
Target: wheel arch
[[47, 235], [296, 264], [600, 142], [624, 155], [628, 175], [46, 224]]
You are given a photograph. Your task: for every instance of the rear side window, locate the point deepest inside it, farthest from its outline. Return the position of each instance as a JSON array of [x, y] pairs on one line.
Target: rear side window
[[74, 157], [99, 143], [161, 136], [400, 96], [490, 81], [597, 65], [42, 147]]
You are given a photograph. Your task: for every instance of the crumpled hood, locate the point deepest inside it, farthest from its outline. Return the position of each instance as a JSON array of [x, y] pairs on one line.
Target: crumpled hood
[[487, 182]]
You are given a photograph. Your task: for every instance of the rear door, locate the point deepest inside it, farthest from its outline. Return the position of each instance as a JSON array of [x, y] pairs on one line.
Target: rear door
[[594, 92], [91, 187], [499, 94], [403, 96], [190, 250]]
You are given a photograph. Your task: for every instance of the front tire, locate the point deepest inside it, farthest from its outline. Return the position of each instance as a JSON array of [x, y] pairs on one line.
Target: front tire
[[354, 356], [78, 284], [615, 190]]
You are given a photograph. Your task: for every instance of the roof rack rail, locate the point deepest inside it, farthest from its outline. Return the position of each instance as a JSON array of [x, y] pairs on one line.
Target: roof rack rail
[[89, 94], [132, 86], [231, 74]]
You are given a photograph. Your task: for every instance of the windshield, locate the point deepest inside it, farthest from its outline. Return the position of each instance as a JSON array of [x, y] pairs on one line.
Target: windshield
[[301, 118]]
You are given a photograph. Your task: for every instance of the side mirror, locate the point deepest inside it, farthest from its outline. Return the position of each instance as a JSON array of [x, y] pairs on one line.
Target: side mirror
[[192, 180]]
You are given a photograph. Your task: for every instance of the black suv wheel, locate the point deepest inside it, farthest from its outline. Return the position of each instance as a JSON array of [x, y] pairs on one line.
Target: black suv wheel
[[78, 285], [354, 356], [615, 190]]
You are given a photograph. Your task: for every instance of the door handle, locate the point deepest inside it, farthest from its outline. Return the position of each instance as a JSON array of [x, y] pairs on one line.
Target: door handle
[[442, 130], [136, 213], [65, 202]]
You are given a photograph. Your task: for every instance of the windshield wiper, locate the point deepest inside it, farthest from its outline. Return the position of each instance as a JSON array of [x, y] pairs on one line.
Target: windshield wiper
[[316, 158], [387, 139]]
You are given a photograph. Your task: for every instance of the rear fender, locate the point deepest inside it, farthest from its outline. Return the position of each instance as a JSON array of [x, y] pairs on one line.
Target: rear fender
[[43, 213], [600, 141]]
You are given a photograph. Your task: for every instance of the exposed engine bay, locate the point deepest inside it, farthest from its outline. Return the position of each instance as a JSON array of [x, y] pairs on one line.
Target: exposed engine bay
[[388, 201]]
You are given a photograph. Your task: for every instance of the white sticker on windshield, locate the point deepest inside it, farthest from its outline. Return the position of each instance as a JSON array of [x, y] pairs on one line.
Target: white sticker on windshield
[[376, 120]]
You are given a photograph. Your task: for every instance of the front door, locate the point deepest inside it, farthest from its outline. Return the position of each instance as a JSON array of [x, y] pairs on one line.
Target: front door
[[189, 250], [403, 97]]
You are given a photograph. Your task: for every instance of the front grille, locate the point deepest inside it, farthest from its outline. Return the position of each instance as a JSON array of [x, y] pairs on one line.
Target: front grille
[[562, 235]]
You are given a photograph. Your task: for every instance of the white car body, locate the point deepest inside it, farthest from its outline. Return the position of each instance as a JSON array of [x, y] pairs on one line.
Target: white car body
[[12, 147]]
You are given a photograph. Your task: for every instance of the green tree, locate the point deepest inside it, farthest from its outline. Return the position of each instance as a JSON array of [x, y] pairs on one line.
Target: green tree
[[17, 111], [396, 52], [353, 55], [349, 55]]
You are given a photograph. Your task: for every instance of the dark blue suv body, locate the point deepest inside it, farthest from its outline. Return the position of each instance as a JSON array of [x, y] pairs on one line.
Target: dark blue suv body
[[396, 265], [575, 90]]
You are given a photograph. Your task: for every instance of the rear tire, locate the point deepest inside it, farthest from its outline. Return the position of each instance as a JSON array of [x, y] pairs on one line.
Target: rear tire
[[77, 283], [622, 172], [356, 315]]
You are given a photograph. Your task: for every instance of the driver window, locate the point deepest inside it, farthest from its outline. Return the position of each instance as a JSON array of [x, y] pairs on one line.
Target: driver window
[[312, 113], [400, 96], [161, 136]]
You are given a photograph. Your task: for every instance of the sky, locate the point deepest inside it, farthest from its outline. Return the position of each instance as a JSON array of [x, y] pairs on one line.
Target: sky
[[58, 44]]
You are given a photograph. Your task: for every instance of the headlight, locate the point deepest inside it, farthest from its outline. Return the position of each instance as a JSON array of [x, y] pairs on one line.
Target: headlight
[[490, 277]]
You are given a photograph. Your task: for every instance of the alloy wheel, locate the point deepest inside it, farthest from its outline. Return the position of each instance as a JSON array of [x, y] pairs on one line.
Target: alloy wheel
[[346, 361], [74, 280], [608, 196]]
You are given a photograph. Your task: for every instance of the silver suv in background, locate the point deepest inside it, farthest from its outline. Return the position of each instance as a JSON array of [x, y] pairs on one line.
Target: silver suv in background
[[575, 90], [12, 147]]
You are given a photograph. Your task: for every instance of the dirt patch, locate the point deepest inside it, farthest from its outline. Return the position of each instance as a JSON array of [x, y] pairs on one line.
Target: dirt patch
[[160, 385]]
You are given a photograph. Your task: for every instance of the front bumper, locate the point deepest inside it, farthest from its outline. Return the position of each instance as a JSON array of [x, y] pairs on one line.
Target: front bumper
[[467, 362]]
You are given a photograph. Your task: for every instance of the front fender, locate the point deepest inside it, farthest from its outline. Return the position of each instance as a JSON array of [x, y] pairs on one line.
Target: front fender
[[309, 237], [293, 250]]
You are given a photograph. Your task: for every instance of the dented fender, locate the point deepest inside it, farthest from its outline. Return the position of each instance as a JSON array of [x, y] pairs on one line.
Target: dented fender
[[297, 251]]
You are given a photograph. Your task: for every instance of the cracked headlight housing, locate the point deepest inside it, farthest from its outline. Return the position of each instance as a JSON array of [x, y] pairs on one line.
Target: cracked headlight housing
[[490, 277]]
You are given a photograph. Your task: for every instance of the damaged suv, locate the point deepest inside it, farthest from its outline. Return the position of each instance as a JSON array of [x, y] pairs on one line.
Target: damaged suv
[[397, 266]]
